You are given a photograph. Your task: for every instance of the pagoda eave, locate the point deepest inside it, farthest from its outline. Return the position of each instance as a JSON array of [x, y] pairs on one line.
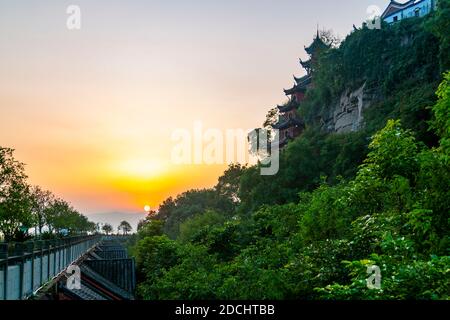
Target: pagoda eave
[[291, 105], [294, 90], [288, 124], [286, 108]]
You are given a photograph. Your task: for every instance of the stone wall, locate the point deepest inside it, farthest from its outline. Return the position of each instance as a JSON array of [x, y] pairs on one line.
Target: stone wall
[[346, 114]]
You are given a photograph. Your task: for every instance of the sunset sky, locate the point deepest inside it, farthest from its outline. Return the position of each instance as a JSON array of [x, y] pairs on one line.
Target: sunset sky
[[91, 111]]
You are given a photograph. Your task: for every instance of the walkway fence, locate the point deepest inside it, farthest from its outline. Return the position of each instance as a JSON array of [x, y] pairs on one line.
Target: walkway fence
[[26, 267]]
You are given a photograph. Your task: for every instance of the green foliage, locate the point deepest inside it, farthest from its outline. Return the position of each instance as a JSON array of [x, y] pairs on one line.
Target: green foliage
[[393, 152], [15, 201], [194, 202], [439, 25], [151, 228], [154, 255], [408, 104], [339, 204], [398, 66], [125, 227], [60, 215], [194, 277], [427, 279], [441, 121], [107, 228], [325, 214], [194, 227], [41, 200], [23, 207], [303, 164], [393, 214], [229, 183]]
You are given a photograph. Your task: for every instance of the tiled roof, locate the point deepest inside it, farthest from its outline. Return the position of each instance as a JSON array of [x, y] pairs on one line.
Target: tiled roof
[[104, 283], [106, 274], [85, 293], [112, 254], [119, 271]]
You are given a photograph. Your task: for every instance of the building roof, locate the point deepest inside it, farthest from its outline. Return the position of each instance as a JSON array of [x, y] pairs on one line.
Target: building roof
[[291, 105], [112, 254], [394, 7], [85, 293], [106, 274], [294, 90], [118, 271], [99, 282], [307, 65], [316, 45], [301, 85], [289, 123]]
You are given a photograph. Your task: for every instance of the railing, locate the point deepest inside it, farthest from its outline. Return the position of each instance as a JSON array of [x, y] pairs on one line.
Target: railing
[[26, 267]]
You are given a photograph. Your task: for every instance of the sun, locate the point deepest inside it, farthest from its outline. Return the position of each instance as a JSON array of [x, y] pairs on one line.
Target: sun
[[147, 208]]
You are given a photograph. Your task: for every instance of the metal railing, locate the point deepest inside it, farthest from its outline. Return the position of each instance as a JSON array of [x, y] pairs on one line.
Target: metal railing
[[26, 267]]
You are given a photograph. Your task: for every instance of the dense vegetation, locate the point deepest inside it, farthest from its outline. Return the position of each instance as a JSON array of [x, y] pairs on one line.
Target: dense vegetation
[[340, 203], [23, 207]]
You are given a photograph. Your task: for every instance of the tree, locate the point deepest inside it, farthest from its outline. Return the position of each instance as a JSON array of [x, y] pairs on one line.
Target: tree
[[60, 215], [189, 204], [15, 200], [330, 39], [41, 200], [441, 121], [55, 215], [439, 25], [151, 228], [229, 182], [271, 118], [125, 227], [191, 228], [107, 228]]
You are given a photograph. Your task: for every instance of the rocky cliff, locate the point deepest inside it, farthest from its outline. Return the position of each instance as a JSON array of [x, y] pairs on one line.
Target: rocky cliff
[[346, 114]]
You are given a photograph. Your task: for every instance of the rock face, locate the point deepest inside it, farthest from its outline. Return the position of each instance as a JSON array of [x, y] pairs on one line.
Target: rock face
[[346, 115]]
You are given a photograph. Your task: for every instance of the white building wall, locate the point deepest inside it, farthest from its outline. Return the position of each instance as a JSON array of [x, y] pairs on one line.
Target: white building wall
[[423, 7]]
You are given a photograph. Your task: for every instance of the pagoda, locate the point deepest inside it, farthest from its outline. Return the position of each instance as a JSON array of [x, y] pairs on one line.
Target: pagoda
[[289, 123]]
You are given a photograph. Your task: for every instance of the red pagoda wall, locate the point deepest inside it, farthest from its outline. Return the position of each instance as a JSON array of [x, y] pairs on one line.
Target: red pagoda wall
[[299, 96]]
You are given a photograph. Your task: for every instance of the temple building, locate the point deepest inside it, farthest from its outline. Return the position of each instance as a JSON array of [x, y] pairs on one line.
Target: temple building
[[289, 123], [397, 11]]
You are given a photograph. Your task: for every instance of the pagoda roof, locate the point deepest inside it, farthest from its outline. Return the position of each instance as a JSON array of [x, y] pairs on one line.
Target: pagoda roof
[[301, 80], [293, 90], [306, 64], [292, 104], [289, 123], [304, 81], [301, 86], [317, 44]]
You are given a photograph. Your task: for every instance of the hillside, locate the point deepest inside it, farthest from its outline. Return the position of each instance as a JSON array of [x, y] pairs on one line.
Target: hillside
[[368, 191]]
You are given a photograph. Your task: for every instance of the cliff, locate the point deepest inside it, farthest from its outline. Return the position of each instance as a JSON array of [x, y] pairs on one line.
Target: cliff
[[373, 76], [347, 113]]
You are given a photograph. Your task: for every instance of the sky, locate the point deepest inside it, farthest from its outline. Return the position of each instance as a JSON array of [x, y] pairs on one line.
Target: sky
[[91, 112]]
